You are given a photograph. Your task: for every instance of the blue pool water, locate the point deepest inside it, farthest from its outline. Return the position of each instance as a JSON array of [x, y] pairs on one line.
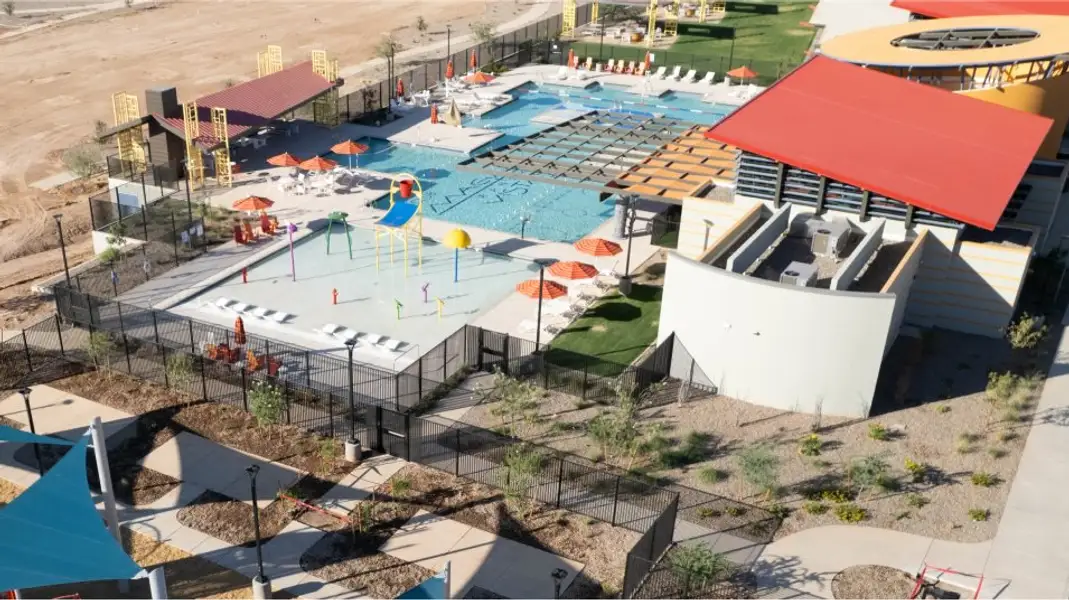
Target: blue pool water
[[554, 213]]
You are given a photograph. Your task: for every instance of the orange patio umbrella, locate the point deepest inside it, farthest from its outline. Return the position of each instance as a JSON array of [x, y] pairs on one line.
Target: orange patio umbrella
[[284, 160], [239, 332], [318, 163], [571, 269], [479, 77], [595, 246], [434, 114], [449, 71], [646, 63], [474, 60], [742, 72], [252, 203], [350, 148], [550, 289], [400, 88]]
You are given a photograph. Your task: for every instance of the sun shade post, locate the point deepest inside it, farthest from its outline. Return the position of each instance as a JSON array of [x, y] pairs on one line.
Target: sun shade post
[[111, 514]]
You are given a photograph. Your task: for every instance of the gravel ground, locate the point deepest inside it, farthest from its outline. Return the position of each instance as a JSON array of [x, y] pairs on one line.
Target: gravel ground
[[932, 433], [871, 581]]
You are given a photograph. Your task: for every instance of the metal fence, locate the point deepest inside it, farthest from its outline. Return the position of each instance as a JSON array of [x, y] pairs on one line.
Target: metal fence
[[664, 579]]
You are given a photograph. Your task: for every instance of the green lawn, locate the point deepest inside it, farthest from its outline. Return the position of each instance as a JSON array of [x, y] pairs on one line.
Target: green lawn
[[769, 43], [615, 328]]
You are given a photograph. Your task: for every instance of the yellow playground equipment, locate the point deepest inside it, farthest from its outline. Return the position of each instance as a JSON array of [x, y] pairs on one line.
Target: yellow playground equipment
[[404, 219]]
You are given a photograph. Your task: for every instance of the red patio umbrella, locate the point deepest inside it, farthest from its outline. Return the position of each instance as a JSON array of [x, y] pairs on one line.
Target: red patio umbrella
[[434, 114], [742, 72], [598, 247], [400, 88], [646, 63], [474, 60], [449, 72], [479, 77], [318, 163], [239, 332], [570, 269], [350, 148], [550, 289], [284, 160], [252, 203]]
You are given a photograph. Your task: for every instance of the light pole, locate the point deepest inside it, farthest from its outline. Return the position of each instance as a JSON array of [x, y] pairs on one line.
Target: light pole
[[448, 42], [63, 247], [261, 587], [625, 277], [558, 576], [29, 416], [352, 445]]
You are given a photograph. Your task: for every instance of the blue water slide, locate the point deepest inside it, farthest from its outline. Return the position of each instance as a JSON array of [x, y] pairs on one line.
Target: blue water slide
[[399, 215]]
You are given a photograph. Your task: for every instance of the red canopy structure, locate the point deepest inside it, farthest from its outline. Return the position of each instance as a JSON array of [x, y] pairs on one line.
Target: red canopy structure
[[570, 269], [942, 9], [550, 289], [598, 247], [479, 77], [318, 163], [252, 203], [284, 160], [913, 143], [742, 72]]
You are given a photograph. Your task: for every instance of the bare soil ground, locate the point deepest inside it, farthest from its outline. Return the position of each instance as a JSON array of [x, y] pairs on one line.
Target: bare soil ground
[[959, 433], [54, 93], [871, 581]]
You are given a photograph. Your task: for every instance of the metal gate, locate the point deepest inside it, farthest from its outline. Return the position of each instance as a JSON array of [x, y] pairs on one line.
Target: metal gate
[[75, 307]]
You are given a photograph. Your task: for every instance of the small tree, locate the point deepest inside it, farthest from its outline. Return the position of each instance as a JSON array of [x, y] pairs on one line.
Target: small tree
[[760, 468], [84, 160], [1026, 332], [485, 33], [387, 48], [99, 349], [266, 403], [868, 472], [9, 7], [421, 24], [179, 371], [515, 402]]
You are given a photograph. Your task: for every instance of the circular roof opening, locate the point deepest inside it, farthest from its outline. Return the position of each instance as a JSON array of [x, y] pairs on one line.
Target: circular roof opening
[[965, 39]]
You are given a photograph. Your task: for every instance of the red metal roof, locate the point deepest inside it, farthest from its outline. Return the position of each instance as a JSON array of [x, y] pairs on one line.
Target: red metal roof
[[943, 9], [254, 103], [943, 152]]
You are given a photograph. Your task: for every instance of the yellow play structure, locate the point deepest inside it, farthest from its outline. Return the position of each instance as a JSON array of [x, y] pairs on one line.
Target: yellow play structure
[[194, 160], [403, 220], [124, 108], [224, 175], [269, 62]]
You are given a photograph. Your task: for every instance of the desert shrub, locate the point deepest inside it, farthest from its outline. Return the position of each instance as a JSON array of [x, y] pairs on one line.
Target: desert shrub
[[400, 486], [179, 370], [779, 511], [1011, 414], [966, 443], [1006, 436], [1026, 332], [735, 510], [698, 560], [708, 513], [99, 349], [850, 513], [916, 500], [878, 432], [979, 514], [810, 445], [942, 408], [996, 453], [918, 472], [759, 466], [84, 160], [868, 472], [1000, 386], [8, 7], [266, 403], [837, 495], [815, 508], [692, 450], [711, 475], [983, 479], [109, 255]]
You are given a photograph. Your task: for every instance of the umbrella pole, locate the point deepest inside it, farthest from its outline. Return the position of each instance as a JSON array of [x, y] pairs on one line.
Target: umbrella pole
[[456, 265]]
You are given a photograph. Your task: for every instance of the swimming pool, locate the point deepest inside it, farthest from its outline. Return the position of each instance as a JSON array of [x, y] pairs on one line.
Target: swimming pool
[[548, 212], [367, 297]]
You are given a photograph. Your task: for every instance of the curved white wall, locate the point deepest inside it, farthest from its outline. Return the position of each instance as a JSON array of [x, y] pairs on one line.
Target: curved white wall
[[775, 345]]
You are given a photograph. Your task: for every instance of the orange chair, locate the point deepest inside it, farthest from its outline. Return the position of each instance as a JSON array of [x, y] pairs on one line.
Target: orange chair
[[212, 351], [250, 235], [252, 362], [239, 237]]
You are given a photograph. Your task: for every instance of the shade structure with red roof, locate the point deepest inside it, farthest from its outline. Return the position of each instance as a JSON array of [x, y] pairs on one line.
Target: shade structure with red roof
[[944, 9], [284, 160], [571, 269], [598, 247], [742, 72], [253, 103], [318, 163], [479, 77], [952, 155], [252, 203], [550, 289]]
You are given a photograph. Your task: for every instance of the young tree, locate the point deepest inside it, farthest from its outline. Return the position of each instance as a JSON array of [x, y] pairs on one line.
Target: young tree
[[421, 24], [485, 33], [9, 7], [84, 160], [514, 402]]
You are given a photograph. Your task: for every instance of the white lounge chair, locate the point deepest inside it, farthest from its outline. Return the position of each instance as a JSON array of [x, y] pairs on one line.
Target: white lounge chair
[[373, 339], [580, 75], [589, 65], [676, 73], [610, 66], [660, 72], [348, 334], [330, 329], [690, 77], [241, 308], [261, 313], [279, 316], [223, 303], [562, 73], [709, 78]]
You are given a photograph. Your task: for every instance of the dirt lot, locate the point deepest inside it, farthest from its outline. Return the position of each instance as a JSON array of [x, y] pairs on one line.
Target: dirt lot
[[950, 427], [58, 80]]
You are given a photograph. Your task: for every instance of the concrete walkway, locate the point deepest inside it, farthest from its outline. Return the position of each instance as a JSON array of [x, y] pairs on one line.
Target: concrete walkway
[[1028, 558]]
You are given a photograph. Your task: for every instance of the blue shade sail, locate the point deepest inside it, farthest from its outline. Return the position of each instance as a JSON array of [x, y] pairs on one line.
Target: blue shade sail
[[10, 434]]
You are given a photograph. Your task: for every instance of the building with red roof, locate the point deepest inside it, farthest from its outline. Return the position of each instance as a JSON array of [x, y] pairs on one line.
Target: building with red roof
[[942, 9], [862, 203]]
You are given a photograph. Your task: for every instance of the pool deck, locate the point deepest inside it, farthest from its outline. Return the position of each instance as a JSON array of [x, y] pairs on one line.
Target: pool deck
[[414, 127]]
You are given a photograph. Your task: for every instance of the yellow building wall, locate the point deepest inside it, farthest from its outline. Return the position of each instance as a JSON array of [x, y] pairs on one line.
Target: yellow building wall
[[704, 221], [1047, 97]]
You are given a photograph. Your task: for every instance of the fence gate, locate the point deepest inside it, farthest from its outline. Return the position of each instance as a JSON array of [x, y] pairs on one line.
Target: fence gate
[[74, 307], [393, 433], [493, 351]]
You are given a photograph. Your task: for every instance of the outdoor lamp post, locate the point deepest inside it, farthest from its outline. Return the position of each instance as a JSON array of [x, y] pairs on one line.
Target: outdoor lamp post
[[261, 587], [448, 42], [29, 416], [625, 277], [63, 246], [352, 445], [558, 576]]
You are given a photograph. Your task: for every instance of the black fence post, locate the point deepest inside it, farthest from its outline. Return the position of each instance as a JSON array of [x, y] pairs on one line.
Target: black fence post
[[125, 345], [560, 481], [419, 379], [203, 379], [286, 396], [26, 348], [330, 411], [397, 392], [244, 390], [174, 239], [155, 328], [457, 460], [586, 376], [59, 336], [192, 343], [163, 354], [308, 368], [505, 355]]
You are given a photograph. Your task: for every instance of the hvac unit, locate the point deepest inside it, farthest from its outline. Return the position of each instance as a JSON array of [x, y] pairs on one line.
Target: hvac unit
[[829, 238], [800, 274]]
